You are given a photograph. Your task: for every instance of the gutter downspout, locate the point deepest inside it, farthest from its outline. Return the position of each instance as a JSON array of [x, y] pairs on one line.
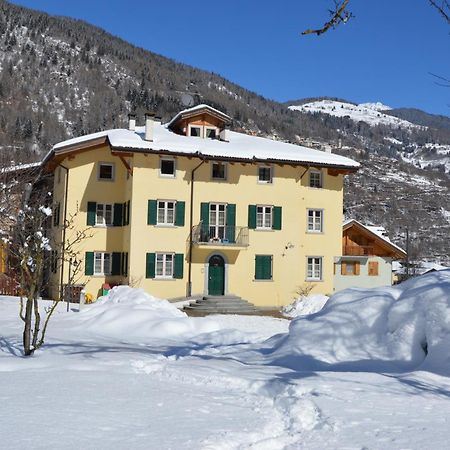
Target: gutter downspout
[[191, 224], [63, 250]]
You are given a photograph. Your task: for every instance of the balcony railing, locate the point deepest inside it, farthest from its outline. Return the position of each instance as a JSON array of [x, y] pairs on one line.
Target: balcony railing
[[357, 250], [220, 235]]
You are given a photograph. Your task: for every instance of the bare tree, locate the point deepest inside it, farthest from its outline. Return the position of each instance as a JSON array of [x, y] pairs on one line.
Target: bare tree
[[341, 14]]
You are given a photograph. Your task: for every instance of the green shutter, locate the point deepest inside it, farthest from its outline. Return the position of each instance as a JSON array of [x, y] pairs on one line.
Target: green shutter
[[125, 264], [128, 214], [91, 213], [118, 211], [231, 223], [115, 267], [89, 263], [276, 218], [124, 214], [178, 267], [252, 216], [179, 214], [204, 215], [263, 267], [151, 213], [150, 265]]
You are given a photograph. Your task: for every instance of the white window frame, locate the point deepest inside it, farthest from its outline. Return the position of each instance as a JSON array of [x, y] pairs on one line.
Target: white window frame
[[312, 264], [103, 223], [207, 127], [262, 166], [316, 172], [191, 125], [315, 212], [101, 256], [225, 171], [266, 210], [215, 228], [113, 171], [166, 274], [166, 175], [166, 210]]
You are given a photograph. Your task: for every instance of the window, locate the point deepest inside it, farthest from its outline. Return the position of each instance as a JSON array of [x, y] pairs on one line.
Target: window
[[164, 265], [265, 174], [167, 167], [315, 217], [210, 133], [217, 221], [263, 267], [219, 171], [166, 212], [102, 263], [195, 131], [315, 179], [104, 214], [264, 217], [106, 171], [350, 268], [314, 269]]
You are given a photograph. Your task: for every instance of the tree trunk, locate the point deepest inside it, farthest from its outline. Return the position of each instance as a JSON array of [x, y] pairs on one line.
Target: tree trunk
[[27, 350]]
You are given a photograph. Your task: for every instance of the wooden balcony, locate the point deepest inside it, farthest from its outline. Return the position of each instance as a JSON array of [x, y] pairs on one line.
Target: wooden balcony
[[357, 250]]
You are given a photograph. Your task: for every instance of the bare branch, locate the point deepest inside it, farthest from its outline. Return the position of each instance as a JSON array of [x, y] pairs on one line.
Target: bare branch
[[445, 82], [339, 15], [443, 8]]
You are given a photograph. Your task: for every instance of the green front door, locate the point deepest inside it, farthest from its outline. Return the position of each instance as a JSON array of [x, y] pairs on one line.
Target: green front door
[[216, 276]]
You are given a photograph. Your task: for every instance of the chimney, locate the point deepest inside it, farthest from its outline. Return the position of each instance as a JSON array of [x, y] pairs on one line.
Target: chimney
[[131, 122], [149, 122], [224, 135]]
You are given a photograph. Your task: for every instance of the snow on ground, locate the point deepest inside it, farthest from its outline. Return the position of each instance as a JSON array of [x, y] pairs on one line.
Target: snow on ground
[[366, 112], [130, 372], [304, 306]]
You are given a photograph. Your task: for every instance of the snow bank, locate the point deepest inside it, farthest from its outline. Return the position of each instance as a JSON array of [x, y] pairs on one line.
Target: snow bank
[[304, 306], [391, 328], [129, 314]]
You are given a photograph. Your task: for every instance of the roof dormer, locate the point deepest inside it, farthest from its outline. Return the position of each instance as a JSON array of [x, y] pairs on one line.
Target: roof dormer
[[201, 121]]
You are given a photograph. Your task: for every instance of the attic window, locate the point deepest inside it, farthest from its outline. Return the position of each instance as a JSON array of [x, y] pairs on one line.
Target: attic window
[[219, 171], [210, 133], [195, 131], [106, 171]]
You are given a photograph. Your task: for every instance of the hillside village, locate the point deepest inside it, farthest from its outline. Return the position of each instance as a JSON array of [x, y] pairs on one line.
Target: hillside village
[[186, 264]]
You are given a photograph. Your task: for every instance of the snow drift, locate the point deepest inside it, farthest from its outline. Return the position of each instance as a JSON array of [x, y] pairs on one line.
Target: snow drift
[[129, 314], [384, 329], [304, 306]]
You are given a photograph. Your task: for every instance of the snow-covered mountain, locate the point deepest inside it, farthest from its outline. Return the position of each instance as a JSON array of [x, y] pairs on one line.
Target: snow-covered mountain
[[370, 113]]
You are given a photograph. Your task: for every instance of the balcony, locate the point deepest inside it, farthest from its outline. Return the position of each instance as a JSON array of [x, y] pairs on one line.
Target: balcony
[[220, 236], [357, 250]]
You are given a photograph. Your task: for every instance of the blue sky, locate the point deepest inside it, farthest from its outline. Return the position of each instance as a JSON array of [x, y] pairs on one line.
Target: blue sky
[[384, 54]]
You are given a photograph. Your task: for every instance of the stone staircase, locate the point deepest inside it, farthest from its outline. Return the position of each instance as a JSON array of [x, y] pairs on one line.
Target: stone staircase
[[224, 304]]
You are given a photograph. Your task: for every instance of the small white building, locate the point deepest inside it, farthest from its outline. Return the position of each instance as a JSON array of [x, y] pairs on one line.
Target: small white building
[[367, 256]]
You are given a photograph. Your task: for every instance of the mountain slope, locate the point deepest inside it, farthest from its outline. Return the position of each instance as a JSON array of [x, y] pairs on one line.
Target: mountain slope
[[61, 78]]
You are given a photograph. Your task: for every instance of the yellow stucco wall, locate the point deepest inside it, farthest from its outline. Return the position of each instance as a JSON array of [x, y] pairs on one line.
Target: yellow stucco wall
[[289, 246]]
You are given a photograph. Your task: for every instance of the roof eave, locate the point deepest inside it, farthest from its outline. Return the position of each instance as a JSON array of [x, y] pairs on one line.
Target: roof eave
[[201, 155]]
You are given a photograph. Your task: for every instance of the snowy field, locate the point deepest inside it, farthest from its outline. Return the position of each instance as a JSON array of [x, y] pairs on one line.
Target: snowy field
[[371, 370]]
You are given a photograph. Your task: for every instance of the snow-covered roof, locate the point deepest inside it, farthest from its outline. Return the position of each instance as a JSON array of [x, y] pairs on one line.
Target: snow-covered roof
[[378, 231], [194, 109], [239, 146]]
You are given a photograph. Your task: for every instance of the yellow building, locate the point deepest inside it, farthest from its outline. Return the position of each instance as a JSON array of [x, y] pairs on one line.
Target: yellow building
[[191, 207]]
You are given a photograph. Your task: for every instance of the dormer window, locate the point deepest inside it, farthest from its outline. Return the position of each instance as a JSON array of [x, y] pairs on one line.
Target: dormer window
[[195, 131], [203, 131], [210, 133]]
